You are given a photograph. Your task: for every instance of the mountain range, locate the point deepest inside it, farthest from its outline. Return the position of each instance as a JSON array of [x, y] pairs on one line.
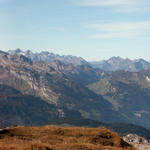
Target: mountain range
[[36, 91], [49, 83], [49, 57], [112, 64], [118, 63]]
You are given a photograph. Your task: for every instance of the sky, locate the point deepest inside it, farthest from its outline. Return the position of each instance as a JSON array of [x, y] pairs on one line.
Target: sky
[[92, 29]]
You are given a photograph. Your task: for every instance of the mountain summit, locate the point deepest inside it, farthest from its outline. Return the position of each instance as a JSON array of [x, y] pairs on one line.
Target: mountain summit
[[118, 63], [112, 64], [49, 57]]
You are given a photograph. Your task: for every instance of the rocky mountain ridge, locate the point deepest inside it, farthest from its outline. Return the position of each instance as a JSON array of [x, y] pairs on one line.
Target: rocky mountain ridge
[[112, 64], [49, 57], [118, 63]]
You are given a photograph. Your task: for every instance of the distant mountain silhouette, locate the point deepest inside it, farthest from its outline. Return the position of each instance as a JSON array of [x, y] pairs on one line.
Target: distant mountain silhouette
[[118, 63], [49, 57]]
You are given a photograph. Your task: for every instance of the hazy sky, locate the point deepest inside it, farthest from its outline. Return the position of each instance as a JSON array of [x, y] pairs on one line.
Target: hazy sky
[[92, 29]]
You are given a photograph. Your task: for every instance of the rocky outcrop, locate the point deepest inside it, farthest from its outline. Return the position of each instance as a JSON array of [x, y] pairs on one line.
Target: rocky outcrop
[[139, 142]]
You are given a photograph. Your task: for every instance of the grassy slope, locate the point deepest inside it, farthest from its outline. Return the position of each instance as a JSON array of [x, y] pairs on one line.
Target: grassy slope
[[56, 138], [121, 128]]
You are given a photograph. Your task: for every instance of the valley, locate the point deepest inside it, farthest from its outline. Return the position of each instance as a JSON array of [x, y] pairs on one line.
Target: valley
[[35, 91]]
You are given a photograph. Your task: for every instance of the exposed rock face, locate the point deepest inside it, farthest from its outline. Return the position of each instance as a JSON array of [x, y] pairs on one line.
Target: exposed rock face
[[139, 142], [20, 73]]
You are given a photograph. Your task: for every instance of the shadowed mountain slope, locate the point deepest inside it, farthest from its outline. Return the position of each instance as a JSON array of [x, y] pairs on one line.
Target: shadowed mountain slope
[[129, 94]]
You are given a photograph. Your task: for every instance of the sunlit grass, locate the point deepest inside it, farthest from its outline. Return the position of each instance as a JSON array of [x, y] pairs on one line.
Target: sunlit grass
[[58, 138]]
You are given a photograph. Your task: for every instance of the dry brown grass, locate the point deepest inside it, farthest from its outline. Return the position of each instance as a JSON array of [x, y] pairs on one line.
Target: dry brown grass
[[57, 138]]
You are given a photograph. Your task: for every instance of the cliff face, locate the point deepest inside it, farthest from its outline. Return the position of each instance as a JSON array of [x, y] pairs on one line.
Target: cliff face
[[20, 73], [139, 142]]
